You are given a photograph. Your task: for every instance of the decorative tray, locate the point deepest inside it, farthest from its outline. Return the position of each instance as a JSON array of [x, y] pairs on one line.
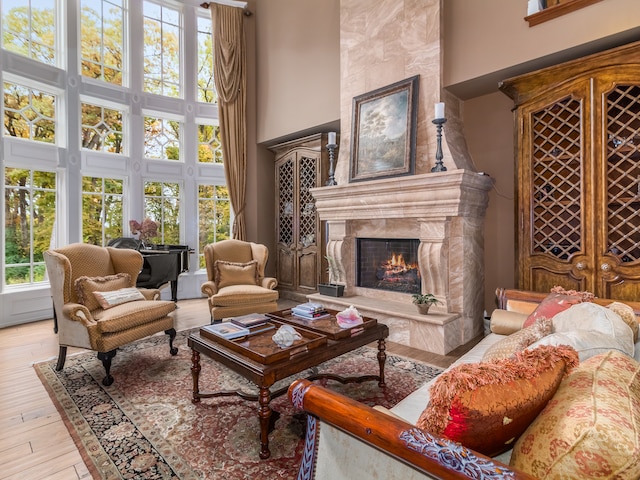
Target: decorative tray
[[325, 326], [261, 347]]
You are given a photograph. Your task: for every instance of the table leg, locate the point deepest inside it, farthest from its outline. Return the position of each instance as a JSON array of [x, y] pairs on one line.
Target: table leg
[[382, 358], [195, 373], [265, 416]]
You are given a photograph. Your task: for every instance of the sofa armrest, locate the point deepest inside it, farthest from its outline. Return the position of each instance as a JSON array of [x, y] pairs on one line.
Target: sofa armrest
[[400, 441], [209, 288], [269, 282], [150, 293], [504, 322]]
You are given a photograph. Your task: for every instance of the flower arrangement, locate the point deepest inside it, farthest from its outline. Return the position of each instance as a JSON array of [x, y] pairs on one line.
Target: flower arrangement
[[146, 230]]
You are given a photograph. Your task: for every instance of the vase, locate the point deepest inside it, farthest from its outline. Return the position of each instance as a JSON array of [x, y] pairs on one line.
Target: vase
[[423, 308]]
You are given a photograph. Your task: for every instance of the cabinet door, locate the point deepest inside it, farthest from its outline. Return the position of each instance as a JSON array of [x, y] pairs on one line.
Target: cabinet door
[[309, 228], [555, 198], [286, 226], [619, 205]]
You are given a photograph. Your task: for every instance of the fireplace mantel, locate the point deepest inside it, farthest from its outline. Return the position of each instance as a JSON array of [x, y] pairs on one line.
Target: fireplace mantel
[[445, 211]]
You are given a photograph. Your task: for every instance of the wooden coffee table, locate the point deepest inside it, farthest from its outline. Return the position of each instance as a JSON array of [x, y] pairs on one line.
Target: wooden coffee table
[[260, 360]]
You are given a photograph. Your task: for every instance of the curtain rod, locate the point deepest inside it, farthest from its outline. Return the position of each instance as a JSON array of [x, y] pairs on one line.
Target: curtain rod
[[231, 3]]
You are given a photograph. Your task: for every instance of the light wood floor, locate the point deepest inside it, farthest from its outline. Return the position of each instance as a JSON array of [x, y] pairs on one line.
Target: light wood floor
[[34, 442]]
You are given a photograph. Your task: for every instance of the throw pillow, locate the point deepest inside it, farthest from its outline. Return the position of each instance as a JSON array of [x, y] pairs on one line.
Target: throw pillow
[[117, 297], [86, 286], [557, 301], [627, 314], [518, 341], [233, 273], [590, 329], [590, 427], [486, 406]]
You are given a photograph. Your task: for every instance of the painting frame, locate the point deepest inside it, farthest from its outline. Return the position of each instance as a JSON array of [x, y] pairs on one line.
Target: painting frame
[[383, 131]]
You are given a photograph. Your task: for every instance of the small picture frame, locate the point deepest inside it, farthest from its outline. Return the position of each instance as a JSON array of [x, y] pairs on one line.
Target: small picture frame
[[383, 137]]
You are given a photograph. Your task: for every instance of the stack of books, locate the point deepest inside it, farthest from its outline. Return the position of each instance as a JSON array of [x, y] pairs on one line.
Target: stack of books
[[310, 311]]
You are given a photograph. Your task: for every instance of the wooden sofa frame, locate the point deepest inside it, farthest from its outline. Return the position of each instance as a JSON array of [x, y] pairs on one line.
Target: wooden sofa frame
[[434, 457]]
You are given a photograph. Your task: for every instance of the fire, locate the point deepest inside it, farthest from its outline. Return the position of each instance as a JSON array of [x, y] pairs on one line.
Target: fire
[[396, 266]]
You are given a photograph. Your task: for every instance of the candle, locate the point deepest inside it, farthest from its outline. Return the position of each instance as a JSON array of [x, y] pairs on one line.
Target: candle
[[440, 110], [332, 138]]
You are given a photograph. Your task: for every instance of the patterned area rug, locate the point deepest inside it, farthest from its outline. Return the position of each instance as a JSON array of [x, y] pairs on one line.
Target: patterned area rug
[[144, 426]]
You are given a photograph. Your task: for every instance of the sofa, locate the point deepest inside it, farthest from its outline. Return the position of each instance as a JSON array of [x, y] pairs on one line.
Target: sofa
[[587, 426]]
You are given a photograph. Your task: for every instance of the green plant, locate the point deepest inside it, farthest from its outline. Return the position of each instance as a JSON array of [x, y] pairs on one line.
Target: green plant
[[424, 298]]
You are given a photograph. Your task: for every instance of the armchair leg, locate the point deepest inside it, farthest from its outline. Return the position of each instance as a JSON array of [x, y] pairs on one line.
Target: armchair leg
[[62, 356], [105, 358], [172, 335]]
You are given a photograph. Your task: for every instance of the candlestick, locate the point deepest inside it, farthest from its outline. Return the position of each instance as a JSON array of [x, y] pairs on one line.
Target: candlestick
[[439, 110], [331, 148], [439, 167], [332, 138]]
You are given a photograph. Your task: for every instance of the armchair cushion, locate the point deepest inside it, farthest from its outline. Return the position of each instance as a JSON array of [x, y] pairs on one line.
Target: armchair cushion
[[132, 314], [234, 273], [86, 286], [243, 294], [116, 297]]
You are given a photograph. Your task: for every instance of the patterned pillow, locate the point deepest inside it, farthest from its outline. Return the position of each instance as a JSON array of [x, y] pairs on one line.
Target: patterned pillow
[[486, 406], [557, 301], [86, 286], [233, 273], [117, 297], [627, 314], [518, 341], [590, 427]]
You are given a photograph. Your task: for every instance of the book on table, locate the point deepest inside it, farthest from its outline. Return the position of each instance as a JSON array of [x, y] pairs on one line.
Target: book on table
[[310, 315], [226, 330], [250, 320], [310, 307]]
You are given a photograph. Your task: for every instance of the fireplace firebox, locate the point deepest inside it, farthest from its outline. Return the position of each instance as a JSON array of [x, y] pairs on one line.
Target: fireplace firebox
[[388, 264]]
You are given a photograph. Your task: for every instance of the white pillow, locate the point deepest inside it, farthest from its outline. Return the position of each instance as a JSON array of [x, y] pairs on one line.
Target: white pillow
[[590, 329], [117, 297]]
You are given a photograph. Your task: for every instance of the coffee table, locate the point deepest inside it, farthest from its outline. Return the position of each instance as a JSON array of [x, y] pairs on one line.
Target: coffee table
[[247, 357]]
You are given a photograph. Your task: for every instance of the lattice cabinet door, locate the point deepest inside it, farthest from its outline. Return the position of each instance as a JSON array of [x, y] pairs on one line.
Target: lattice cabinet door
[[300, 166], [619, 234], [554, 246]]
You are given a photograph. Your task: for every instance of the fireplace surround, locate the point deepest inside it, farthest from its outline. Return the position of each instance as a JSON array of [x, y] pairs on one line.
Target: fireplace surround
[[445, 213]]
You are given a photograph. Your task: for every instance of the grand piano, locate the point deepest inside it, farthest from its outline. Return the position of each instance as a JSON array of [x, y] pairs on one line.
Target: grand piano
[[162, 263]]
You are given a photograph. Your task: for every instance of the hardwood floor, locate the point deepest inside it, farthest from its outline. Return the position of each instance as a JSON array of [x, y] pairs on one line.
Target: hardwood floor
[[34, 442]]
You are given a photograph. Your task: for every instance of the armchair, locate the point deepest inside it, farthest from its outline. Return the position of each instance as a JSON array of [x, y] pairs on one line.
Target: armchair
[[236, 283], [84, 280]]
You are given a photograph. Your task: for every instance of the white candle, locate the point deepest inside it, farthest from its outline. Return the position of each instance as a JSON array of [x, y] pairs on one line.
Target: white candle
[[440, 110], [332, 138]]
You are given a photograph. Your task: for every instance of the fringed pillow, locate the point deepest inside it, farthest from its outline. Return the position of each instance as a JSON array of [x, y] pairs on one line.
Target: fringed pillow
[[518, 341], [557, 301], [486, 406], [627, 314]]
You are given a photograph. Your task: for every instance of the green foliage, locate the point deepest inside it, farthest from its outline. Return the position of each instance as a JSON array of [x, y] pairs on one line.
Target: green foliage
[[424, 298]]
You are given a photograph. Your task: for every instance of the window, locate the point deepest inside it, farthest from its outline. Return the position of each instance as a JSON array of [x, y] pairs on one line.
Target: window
[[29, 113], [161, 138], [162, 45], [29, 29], [209, 146], [102, 128], [102, 39], [30, 213], [101, 209], [206, 87], [214, 217], [162, 205]]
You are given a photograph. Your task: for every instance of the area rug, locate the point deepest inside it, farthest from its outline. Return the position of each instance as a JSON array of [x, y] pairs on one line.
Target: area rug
[[144, 426]]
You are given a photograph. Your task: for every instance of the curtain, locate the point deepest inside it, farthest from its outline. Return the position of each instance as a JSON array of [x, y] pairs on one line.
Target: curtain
[[229, 72]]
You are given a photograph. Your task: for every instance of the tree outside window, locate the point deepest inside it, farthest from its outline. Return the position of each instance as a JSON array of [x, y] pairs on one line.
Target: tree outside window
[[162, 138], [29, 28], [163, 33], [102, 39], [102, 128], [30, 213], [162, 205], [102, 202], [214, 217], [209, 145], [206, 87], [29, 113]]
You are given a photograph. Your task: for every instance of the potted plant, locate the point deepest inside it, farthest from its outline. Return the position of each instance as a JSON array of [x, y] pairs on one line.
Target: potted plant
[[332, 288], [424, 301]]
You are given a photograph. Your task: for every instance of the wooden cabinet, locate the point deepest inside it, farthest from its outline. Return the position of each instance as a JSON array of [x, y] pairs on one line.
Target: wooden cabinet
[[300, 165], [578, 174]]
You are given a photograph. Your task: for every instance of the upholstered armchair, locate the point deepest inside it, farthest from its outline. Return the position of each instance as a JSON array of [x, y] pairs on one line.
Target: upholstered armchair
[[96, 304], [236, 283]]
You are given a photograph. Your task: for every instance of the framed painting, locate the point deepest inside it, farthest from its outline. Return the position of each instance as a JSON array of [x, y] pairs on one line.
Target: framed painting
[[383, 131]]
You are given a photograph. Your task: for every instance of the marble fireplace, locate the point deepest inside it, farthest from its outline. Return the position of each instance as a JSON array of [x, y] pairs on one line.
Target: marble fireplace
[[445, 213]]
